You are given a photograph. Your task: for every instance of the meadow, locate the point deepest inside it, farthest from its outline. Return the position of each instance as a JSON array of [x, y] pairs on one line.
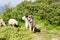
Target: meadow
[[47, 32]]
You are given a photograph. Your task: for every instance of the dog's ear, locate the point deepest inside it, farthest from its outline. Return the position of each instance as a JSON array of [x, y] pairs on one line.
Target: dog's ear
[[26, 16]]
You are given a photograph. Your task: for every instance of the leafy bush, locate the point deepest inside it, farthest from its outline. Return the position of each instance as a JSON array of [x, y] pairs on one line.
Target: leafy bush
[[41, 9]]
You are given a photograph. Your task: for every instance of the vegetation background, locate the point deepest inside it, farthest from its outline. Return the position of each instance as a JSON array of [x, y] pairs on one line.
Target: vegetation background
[[46, 14]]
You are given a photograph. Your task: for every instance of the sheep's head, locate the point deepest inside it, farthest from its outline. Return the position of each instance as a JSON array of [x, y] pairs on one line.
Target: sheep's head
[[24, 18]]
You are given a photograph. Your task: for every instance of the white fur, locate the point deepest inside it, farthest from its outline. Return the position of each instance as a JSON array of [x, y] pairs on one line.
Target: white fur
[[28, 23], [2, 22], [12, 22]]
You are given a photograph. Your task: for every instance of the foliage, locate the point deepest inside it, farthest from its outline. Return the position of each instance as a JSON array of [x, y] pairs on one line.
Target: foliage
[[21, 33], [41, 9], [44, 11]]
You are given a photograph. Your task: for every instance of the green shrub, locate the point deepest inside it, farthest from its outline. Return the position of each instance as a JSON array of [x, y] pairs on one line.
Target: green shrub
[[41, 9]]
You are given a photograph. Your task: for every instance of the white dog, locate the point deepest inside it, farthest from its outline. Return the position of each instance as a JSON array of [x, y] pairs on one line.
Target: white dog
[[29, 22]]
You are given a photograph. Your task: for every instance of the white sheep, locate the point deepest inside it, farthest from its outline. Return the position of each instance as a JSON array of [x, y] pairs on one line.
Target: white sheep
[[13, 22], [2, 23]]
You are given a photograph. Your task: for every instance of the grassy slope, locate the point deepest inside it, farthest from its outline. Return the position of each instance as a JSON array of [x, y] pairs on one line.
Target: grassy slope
[[20, 33]]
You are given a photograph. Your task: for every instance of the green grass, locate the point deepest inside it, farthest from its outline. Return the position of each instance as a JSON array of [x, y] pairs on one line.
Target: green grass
[[21, 33]]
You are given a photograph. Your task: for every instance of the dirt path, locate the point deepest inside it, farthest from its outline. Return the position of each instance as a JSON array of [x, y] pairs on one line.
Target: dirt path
[[37, 37], [45, 36]]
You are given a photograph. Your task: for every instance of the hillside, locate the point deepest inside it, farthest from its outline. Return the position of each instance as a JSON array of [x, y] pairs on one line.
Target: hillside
[[46, 10], [47, 17]]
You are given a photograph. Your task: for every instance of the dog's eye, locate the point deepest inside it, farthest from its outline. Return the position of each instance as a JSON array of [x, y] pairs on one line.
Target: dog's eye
[[29, 17]]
